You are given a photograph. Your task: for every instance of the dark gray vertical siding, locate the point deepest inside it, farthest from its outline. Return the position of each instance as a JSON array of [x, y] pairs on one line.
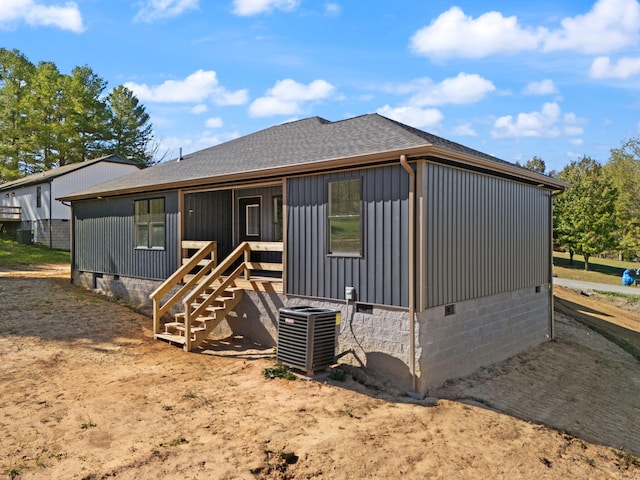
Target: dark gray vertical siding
[[380, 275], [207, 216], [266, 195], [267, 231], [484, 235], [104, 238]]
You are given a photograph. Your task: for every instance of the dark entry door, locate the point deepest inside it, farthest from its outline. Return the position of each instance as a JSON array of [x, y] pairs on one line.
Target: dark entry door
[[250, 219]]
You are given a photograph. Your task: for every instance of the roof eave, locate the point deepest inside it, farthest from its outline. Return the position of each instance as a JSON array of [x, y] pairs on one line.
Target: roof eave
[[504, 168], [337, 163]]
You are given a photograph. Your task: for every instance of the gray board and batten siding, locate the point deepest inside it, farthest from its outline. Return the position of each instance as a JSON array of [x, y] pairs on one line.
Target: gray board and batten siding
[[104, 238], [266, 196], [207, 216], [484, 235], [379, 275]]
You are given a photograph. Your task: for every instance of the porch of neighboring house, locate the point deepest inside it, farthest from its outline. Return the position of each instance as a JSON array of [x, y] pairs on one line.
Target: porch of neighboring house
[[213, 276], [10, 218]]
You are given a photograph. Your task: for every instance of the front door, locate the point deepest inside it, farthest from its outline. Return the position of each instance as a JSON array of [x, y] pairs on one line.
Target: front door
[[250, 219]]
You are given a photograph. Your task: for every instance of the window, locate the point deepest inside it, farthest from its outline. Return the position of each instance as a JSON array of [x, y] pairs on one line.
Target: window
[[38, 196], [252, 227], [149, 218], [344, 219], [277, 219]]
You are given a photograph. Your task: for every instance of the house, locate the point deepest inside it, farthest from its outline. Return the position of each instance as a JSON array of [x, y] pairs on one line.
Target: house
[[437, 256], [27, 205]]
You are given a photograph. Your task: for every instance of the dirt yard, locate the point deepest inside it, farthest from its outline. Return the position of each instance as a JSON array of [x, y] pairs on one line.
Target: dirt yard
[[87, 394]]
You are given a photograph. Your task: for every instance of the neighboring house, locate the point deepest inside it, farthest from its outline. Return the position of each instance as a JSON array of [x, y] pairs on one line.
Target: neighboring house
[[438, 256], [28, 205]]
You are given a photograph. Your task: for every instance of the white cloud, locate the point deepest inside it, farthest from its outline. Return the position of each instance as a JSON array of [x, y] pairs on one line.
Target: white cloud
[[546, 123], [575, 155], [414, 116], [287, 97], [198, 109], [171, 145], [465, 130], [208, 140], [463, 89], [626, 67], [33, 13], [609, 26], [214, 122], [576, 141], [152, 10], [198, 87], [543, 87], [454, 34], [573, 130], [255, 7], [332, 9]]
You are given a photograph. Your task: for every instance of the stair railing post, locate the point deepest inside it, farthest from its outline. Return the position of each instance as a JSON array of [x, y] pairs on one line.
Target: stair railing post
[[156, 319], [247, 260], [187, 328]]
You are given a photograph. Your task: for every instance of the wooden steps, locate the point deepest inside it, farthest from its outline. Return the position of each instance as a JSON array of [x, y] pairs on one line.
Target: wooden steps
[[216, 306], [209, 291], [177, 339]]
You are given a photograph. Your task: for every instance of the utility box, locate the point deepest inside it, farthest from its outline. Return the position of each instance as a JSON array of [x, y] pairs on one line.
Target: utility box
[[25, 237], [307, 337]]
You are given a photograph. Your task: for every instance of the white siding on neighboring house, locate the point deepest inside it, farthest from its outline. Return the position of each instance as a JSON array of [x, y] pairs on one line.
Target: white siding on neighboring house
[[83, 178], [26, 198], [46, 217]]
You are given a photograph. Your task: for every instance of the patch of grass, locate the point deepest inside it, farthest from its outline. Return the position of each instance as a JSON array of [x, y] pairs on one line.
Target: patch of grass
[[278, 371], [12, 253], [88, 424], [192, 396], [13, 473], [627, 459], [601, 270], [178, 441], [349, 411], [338, 375], [627, 297]]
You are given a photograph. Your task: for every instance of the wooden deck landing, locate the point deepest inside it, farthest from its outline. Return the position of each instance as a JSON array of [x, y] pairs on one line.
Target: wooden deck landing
[[10, 213]]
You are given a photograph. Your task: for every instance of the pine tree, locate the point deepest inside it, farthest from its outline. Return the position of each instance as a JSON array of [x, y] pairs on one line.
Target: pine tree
[[129, 127], [45, 120], [15, 75], [85, 116]]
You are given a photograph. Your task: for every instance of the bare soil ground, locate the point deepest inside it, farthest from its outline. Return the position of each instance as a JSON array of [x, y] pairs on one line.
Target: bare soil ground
[[85, 393]]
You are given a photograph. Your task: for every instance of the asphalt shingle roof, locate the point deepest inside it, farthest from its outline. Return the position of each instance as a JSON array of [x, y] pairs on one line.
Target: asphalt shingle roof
[[296, 143]]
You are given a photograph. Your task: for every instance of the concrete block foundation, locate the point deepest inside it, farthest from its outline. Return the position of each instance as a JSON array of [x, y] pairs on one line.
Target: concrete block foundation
[[471, 334]]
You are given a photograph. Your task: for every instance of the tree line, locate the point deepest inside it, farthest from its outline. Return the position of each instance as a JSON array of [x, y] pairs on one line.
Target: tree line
[[600, 211], [49, 119]]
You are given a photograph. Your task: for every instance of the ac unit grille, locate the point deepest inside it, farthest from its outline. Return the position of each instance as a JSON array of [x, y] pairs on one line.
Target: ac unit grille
[[306, 338]]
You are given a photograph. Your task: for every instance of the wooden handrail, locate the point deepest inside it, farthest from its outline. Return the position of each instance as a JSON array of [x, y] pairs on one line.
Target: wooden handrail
[[216, 273], [192, 291], [177, 277]]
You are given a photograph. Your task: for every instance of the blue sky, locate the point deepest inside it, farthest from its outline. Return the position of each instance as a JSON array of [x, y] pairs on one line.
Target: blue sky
[[510, 78]]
